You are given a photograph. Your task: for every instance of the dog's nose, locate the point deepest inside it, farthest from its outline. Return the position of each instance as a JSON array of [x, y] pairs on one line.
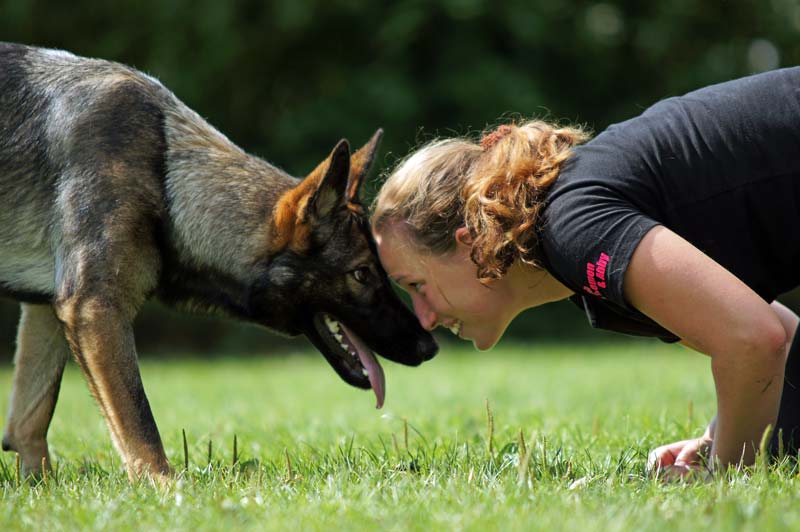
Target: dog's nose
[[427, 348]]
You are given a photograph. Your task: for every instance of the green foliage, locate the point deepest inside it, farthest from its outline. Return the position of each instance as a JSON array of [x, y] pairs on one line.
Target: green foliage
[[313, 454], [287, 79]]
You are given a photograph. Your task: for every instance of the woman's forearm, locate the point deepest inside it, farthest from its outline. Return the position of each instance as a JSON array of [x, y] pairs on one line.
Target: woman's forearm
[[790, 322], [749, 385]]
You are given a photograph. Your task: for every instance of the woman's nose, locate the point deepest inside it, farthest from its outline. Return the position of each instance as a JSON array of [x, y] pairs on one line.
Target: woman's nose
[[425, 313]]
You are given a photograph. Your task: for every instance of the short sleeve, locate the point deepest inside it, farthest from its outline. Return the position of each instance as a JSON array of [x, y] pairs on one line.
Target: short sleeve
[[588, 237], [605, 316]]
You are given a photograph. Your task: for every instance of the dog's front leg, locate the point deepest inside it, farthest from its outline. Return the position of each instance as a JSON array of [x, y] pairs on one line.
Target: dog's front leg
[[101, 338], [39, 363]]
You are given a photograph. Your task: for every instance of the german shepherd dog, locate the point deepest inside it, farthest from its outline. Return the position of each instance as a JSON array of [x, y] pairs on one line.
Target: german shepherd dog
[[116, 192]]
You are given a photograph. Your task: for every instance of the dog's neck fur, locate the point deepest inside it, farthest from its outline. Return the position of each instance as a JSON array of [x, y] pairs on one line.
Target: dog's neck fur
[[201, 163]]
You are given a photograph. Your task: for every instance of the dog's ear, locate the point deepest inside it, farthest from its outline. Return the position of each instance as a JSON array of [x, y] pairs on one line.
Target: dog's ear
[[331, 182], [360, 163], [312, 199]]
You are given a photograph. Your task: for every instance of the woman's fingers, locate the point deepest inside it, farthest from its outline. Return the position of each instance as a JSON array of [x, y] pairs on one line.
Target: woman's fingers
[[678, 459], [690, 454], [665, 455], [660, 457]]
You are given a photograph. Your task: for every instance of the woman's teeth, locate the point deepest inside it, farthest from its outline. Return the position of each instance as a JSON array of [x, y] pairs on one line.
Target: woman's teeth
[[456, 328]]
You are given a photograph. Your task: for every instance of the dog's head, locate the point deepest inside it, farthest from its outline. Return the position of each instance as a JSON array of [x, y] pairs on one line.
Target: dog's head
[[324, 279]]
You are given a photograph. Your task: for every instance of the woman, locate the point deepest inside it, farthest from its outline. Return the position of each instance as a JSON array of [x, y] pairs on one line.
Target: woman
[[681, 224]]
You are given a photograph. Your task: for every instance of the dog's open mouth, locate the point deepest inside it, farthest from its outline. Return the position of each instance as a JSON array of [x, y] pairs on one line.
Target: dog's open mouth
[[350, 356]]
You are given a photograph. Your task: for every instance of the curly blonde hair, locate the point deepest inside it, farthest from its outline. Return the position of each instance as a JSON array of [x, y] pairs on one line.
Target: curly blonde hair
[[494, 187]]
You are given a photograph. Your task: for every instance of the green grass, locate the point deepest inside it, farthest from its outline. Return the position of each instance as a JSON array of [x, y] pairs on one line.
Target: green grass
[[314, 454]]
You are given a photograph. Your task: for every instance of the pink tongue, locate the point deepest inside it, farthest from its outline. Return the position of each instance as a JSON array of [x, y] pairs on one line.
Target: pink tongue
[[374, 370]]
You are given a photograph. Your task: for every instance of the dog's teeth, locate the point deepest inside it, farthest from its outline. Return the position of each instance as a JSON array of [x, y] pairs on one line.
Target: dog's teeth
[[338, 338], [344, 346], [332, 324], [364, 372]]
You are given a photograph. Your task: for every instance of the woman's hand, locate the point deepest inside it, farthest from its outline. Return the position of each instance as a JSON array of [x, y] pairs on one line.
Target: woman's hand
[[684, 460], [692, 452], [681, 460]]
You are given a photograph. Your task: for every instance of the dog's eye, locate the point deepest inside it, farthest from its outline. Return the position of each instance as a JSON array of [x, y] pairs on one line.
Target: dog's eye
[[361, 274]]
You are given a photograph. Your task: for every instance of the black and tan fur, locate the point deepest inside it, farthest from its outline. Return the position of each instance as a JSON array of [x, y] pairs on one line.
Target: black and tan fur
[[114, 192]]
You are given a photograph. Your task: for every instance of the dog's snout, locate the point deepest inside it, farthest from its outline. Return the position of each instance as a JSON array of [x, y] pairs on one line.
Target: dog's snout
[[427, 348], [423, 348]]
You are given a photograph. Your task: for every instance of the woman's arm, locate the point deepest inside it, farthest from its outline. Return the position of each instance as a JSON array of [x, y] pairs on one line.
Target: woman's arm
[[691, 454], [688, 293]]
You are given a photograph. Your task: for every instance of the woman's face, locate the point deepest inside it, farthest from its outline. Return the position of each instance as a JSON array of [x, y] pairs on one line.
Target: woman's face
[[445, 290]]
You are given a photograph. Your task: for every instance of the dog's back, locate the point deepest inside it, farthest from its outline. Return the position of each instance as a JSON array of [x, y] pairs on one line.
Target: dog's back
[[79, 133], [60, 113]]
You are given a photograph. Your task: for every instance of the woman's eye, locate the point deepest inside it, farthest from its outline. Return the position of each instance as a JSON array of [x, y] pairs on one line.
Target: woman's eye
[[416, 287], [360, 274]]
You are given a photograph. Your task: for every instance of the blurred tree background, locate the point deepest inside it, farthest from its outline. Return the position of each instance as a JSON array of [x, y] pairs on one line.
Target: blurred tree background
[[286, 79]]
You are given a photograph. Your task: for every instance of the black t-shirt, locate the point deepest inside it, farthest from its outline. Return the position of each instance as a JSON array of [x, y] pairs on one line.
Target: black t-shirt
[[719, 166]]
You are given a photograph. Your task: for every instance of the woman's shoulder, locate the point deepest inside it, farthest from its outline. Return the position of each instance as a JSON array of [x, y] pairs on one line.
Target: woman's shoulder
[[587, 236]]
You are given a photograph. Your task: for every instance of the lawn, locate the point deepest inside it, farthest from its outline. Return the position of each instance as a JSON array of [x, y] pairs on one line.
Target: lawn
[[314, 454]]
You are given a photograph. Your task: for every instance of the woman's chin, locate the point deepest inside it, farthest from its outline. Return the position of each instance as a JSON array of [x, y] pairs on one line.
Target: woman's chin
[[484, 344], [487, 339]]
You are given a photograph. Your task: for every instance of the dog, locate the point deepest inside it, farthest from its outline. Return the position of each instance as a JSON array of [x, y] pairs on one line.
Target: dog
[[116, 192]]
